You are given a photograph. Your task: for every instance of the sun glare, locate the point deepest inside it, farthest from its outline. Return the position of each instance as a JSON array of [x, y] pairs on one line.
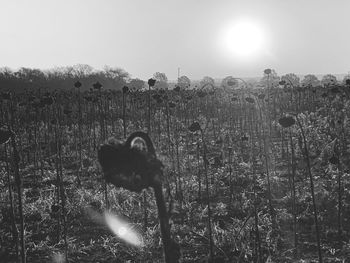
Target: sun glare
[[244, 38], [122, 229]]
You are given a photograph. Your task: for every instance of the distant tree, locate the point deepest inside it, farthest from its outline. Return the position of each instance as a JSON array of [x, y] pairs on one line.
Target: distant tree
[[65, 77], [310, 80], [55, 74], [161, 77], [82, 70], [6, 73], [31, 75], [184, 82], [206, 80], [61, 73], [346, 77], [117, 74], [22, 78], [7, 78], [161, 80], [328, 80], [136, 84], [270, 79], [61, 77], [291, 78]]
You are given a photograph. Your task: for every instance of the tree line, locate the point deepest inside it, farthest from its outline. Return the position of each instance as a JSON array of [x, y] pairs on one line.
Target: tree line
[[116, 78]]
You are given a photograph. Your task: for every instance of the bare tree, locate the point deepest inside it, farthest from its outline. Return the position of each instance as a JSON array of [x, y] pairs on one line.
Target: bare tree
[[310, 80], [136, 84], [161, 80], [82, 70], [291, 79], [118, 74], [184, 82], [328, 80]]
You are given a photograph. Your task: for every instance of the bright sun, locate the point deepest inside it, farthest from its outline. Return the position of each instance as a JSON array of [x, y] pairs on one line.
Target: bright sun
[[244, 38]]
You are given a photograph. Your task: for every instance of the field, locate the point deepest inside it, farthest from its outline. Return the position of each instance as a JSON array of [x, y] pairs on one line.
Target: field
[[251, 174]]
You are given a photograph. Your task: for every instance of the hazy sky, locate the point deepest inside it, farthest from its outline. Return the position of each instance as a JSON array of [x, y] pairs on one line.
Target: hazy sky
[[146, 36]]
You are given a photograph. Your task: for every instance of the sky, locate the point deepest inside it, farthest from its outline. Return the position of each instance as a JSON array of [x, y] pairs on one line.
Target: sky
[[148, 36]]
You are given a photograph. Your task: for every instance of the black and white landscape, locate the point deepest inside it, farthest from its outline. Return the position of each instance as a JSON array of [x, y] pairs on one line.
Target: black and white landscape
[[174, 131]]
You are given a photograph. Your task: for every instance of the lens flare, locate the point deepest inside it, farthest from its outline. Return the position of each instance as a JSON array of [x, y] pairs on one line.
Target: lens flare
[[58, 258], [122, 229]]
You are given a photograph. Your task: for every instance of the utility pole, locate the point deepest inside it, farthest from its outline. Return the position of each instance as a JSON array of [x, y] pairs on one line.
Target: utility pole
[[178, 75]]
